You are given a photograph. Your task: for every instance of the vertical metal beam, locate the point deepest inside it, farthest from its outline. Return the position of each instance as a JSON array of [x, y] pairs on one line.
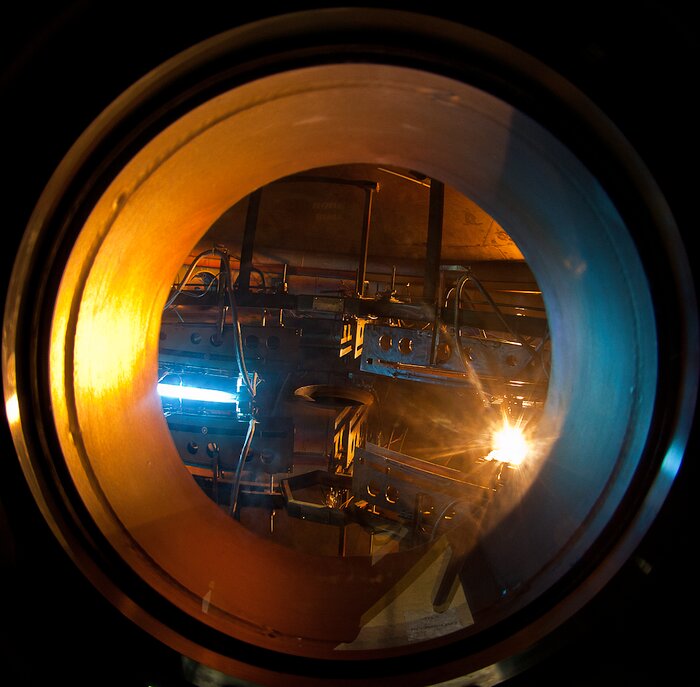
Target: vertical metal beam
[[432, 281], [248, 244], [364, 244], [433, 250]]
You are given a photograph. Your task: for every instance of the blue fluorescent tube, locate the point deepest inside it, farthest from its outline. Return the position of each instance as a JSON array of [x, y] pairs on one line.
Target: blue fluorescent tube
[[193, 393]]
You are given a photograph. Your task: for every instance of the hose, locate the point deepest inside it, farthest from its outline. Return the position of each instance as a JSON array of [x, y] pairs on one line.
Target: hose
[[236, 487]]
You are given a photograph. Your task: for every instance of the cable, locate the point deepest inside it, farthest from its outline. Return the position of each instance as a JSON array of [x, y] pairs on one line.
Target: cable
[[188, 274], [447, 297], [251, 383], [235, 488], [509, 329], [259, 272], [458, 337], [534, 353], [484, 335], [201, 294]]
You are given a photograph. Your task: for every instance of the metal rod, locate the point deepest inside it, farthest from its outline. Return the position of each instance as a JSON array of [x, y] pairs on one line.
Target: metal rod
[[364, 244], [432, 282], [405, 176], [434, 241], [358, 183], [436, 324]]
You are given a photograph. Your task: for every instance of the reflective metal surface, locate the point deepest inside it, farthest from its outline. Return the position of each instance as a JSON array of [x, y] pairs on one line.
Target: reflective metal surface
[[121, 472]]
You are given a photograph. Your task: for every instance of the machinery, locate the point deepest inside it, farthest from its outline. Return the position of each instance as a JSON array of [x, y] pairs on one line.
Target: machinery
[[367, 413], [253, 437]]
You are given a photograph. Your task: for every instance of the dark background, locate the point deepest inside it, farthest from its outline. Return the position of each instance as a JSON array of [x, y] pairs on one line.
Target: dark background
[[62, 63]]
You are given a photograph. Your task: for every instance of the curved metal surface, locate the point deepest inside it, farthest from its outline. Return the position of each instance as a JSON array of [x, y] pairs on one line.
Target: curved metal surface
[[105, 329]]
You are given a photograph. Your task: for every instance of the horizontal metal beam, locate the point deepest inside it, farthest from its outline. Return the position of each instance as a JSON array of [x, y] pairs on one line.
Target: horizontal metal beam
[[417, 311]]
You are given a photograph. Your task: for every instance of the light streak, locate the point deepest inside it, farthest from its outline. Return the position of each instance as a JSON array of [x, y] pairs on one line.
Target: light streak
[[193, 393]]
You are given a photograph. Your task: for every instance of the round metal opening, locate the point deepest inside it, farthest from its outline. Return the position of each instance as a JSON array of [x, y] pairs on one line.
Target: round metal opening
[[478, 568], [579, 251]]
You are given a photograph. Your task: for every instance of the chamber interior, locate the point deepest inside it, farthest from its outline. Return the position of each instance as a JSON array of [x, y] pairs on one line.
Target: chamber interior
[[396, 359], [345, 493]]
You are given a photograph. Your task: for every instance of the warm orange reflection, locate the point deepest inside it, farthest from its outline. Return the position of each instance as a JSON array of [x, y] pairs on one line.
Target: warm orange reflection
[[108, 350], [12, 409]]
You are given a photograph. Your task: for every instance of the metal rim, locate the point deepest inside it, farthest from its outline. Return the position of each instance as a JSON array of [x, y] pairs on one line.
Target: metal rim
[[669, 434]]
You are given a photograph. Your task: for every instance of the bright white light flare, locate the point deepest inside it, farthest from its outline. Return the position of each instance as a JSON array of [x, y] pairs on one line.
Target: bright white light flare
[[192, 393], [509, 445]]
